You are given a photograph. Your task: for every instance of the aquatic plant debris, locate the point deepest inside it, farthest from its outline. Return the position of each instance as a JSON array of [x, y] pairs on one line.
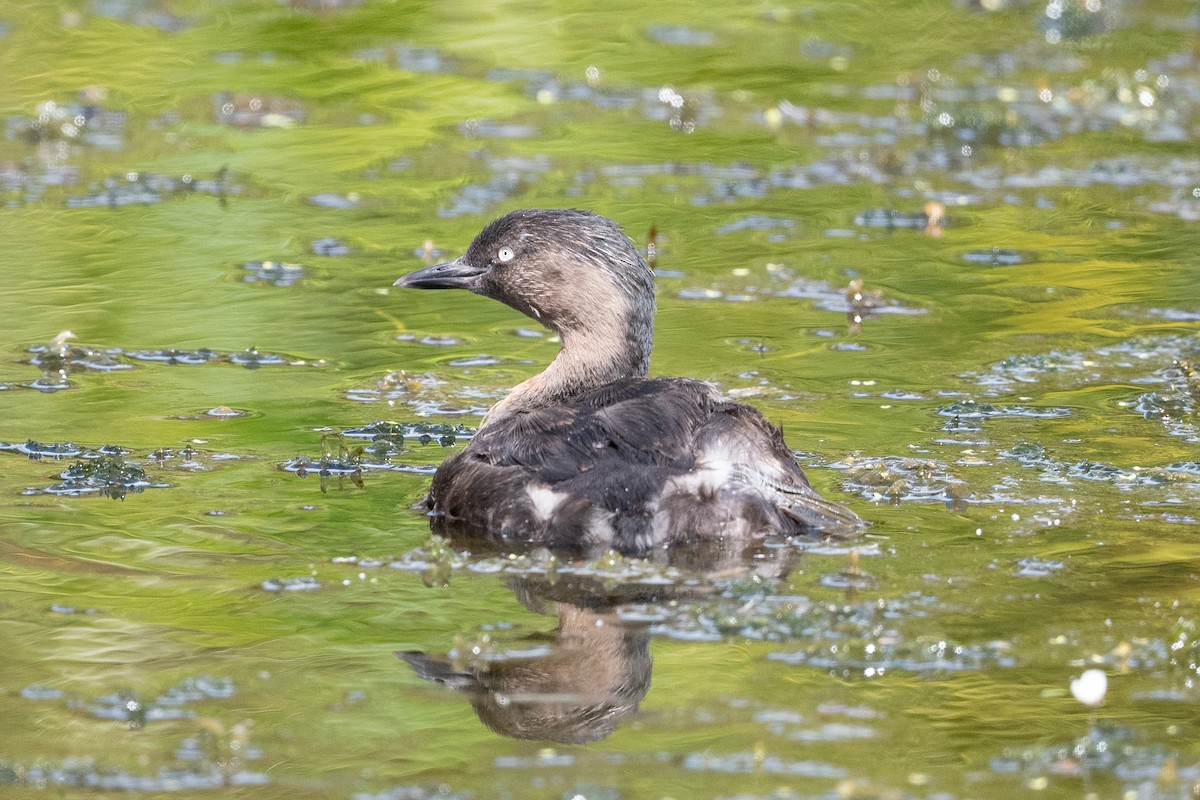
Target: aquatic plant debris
[[274, 273], [780, 281], [429, 395], [108, 470], [329, 247], [445, 434], [147, 188], [381, 441], [59, 360], [109, 475]]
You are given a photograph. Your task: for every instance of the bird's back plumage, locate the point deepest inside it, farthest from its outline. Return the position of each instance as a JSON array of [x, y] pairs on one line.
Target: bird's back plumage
[[633, 464]]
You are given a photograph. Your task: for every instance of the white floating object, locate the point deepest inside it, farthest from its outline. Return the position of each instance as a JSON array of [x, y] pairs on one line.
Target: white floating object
[[1090, 687]]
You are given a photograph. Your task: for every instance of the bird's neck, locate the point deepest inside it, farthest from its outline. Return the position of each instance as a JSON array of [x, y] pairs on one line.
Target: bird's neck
[[608, 350]]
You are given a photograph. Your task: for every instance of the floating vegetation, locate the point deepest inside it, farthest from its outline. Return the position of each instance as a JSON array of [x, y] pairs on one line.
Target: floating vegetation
[[497, 130], [214, 758], [901, 394], [438, 557], [1126, 172], [428, 394], [86, 773], [189, 458], [1033, 368], [326, 6], [509, 177], [1030, 454], [1124, 362], [758, 222], [956, 122], [37, 692], [125, 706], [429, 340], [892, 220], [303, 583], [898, 479], [143, 13], [1073, 19], [1105, 750], [851, 649], [415, 792], [857, 301], [348, 465], [27, 183], [256, 111], [1177, 404], [751, 763], [58, 608], [170, 355], [445, 434], [109, 475], [851, 576], [681, 36], [1038, 568], [84, 121], [710, 184], [106, 470], [998, 257], [1180, 474], [435, 560], [700, 294], [329, 247], [252, 358], [385, 440], [849, 639], [59, 359], [275, 273], [1147, 349], [396, 385], [681, 110], [1184, 652], [343, 202], [481, 360], [1174, 314], [409, 57], [978, 410], [854, 299], [225, 412], [37, 450], [148, 188]]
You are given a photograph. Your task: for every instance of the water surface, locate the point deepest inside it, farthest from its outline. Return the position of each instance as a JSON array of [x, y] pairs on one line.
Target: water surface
[[949, 247]]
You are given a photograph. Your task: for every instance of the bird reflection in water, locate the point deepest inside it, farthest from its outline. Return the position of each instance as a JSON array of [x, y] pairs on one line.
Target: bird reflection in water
[[596, 672], [597, 668]]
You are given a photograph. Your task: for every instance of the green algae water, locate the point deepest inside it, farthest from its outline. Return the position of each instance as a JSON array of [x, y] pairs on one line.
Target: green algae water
[[951, 248]]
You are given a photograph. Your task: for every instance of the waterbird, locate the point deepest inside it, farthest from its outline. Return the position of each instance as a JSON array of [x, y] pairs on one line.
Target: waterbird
[[591, 453]]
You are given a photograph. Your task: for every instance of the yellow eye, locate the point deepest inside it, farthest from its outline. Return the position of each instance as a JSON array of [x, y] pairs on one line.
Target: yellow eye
[[505, 254]]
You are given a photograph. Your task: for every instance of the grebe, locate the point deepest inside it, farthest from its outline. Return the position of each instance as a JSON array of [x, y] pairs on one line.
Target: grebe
[[590, 452]]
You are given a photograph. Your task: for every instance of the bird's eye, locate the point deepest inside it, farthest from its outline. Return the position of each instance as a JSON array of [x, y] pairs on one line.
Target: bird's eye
[[506, 254]]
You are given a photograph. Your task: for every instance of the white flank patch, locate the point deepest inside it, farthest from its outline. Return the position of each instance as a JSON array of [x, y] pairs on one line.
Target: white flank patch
[[545, 500]]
